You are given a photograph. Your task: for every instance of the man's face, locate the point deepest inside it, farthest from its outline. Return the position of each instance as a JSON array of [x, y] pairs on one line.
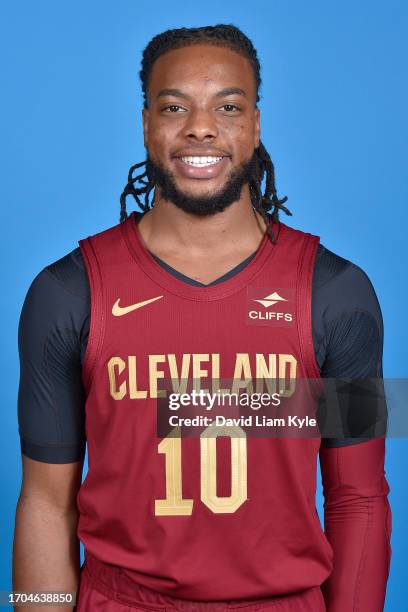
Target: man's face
[[201, 127]]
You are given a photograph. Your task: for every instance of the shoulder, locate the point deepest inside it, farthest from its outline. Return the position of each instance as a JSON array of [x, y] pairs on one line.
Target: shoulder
[[57, 298], [342, 286], [347, 319], [66, 275], [339, 284]]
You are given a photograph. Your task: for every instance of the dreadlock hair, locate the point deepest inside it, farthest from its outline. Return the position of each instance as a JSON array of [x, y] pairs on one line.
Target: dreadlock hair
[[221, 35]]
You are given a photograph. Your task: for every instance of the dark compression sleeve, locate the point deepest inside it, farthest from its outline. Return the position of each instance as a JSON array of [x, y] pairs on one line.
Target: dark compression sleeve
[[357, 515], [52, 335]]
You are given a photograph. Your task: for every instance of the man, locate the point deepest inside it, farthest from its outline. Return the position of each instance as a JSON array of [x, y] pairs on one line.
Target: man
[[181, 291]]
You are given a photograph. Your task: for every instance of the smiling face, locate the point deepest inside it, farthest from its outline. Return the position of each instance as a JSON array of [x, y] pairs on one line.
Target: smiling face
[[201, 126]]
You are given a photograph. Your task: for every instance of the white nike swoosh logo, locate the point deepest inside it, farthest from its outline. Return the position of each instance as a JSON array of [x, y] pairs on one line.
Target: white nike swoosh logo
[[118, 311]]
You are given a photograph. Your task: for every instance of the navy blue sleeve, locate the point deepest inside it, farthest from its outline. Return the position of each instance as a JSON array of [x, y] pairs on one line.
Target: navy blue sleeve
[[348, 336], [52, 337]]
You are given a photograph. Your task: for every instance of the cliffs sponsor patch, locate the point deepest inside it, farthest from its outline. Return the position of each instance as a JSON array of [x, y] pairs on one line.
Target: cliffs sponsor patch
[[270, 306]]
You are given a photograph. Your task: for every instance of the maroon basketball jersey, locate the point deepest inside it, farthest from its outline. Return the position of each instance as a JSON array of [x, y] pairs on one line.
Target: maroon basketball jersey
[[221, 517]]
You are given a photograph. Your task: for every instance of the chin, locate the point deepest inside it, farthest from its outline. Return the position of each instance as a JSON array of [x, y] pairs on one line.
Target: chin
[[199, 188]]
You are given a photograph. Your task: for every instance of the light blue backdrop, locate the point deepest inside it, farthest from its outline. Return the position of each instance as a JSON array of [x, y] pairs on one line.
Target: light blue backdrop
[[334, 118]]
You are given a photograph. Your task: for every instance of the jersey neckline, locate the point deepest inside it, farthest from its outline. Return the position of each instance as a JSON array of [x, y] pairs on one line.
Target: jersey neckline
[[166, 280]]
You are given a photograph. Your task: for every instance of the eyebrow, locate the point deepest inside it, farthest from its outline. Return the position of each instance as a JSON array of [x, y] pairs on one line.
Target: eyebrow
[[227, 91]]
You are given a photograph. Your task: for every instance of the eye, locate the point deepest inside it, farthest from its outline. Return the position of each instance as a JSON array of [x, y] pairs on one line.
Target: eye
[[172, 107], [230, 107]]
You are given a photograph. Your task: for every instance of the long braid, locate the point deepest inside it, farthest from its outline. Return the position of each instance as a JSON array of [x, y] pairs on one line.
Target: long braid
[[263, 203], [229, 36], [130, 189]]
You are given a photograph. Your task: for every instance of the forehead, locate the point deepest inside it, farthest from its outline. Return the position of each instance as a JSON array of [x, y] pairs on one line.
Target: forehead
[[202, 68]]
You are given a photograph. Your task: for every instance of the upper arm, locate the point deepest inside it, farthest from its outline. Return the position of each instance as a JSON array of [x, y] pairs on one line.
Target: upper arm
[[51, 398], [348, 320]]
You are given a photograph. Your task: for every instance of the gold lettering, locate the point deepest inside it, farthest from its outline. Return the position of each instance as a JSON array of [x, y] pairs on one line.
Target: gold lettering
[[116, 393], [155, 374], [133, 391], [275, 371], [266, 373], [173, 504], [239, 476], [284, 361], [242, 369], [179, 383], [198, 373]]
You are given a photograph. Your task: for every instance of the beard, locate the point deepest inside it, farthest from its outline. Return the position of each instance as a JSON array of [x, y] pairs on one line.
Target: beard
[[209, 204]]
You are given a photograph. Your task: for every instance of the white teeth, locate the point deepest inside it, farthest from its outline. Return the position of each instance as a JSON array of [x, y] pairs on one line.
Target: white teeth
[[201, 161]]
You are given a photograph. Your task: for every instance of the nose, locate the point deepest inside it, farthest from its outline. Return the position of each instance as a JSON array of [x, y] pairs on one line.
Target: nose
[[201, 125]]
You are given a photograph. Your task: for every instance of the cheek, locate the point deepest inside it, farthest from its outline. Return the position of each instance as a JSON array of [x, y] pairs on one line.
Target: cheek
[[158, 138], [161, 135], [240, 131], [243, 140]]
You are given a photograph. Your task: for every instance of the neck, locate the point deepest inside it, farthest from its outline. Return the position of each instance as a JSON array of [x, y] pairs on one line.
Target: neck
[[238, 227]]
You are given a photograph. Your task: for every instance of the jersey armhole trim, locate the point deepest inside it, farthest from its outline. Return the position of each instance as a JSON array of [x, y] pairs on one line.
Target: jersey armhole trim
[[97, 322], [304, 300]]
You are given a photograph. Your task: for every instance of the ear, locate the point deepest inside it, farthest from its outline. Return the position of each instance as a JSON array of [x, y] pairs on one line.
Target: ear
[[257, 117], [145, 119]]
